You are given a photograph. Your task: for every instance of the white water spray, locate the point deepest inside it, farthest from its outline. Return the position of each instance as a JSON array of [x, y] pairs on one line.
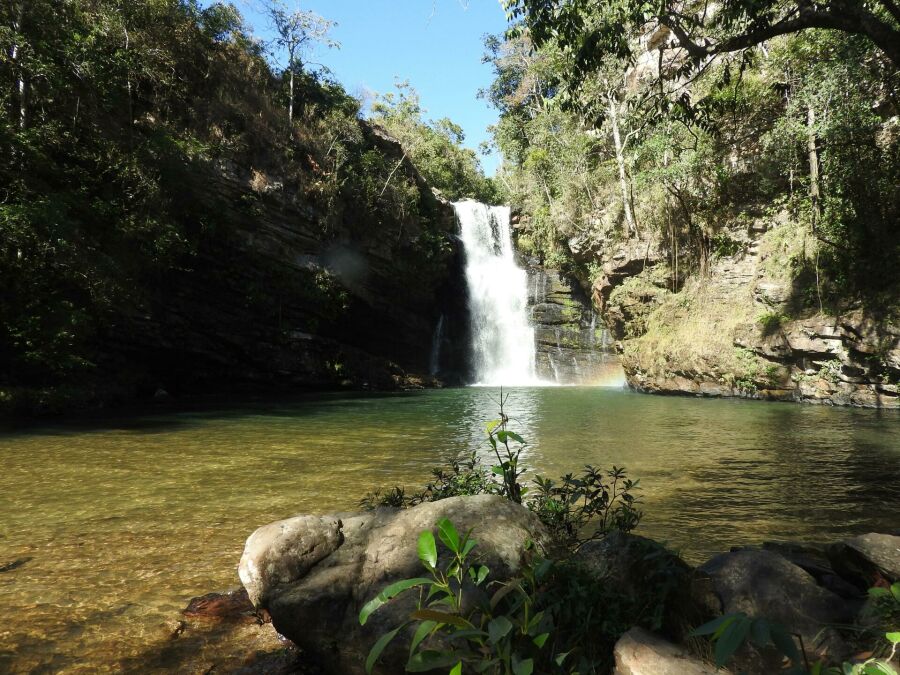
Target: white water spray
[[502, 339]]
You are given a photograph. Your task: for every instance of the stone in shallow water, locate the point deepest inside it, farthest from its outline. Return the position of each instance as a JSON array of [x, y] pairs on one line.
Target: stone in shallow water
[[231, 606], [283, 551]]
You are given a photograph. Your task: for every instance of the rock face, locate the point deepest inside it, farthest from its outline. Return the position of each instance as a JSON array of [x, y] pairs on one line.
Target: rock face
[[286, 292], [748, 327], [313, 574], [764, 584], [573, 346], [640, 652]]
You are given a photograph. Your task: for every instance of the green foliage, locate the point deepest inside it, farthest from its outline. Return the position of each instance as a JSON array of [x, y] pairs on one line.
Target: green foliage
[[435, 147], [137, 126], [458, 623], [730, 632], [588, 506], [594, 30], [463, 477], [771, 322], [703, 153]]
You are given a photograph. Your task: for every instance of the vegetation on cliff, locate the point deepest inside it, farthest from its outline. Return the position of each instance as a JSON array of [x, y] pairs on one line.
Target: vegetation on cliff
[[118, 122], [638, 137]]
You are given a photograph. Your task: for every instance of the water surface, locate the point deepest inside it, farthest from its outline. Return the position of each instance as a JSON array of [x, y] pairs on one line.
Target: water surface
[[121, 522]]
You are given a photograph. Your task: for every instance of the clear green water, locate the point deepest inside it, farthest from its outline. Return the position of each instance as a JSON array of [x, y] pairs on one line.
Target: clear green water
[[125, 520]]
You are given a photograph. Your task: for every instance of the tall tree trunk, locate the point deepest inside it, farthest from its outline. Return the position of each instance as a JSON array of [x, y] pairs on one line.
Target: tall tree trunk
[[814, 189], [620, 161], [15, 57], [291, 99], [128, 83]]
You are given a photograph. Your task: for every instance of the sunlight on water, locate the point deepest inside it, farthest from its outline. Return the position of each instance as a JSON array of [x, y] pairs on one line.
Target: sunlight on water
[[121, 522]]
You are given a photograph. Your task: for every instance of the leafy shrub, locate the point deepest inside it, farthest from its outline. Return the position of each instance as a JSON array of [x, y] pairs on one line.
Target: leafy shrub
[[575, 509], [588, 506], [463, 477]]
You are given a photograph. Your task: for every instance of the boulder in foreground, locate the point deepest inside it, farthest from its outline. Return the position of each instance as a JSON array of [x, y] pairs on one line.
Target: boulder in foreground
[[313, 574]]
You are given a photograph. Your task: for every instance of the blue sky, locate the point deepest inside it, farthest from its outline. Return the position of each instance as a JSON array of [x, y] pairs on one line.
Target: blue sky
[[435, 44]]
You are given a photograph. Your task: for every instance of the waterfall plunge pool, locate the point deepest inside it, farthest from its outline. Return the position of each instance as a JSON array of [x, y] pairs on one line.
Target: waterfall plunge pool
[[121, 522]]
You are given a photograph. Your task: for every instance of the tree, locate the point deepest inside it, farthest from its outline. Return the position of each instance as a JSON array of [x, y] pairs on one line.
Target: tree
[[297, 32], [435, 147], [595, 29]]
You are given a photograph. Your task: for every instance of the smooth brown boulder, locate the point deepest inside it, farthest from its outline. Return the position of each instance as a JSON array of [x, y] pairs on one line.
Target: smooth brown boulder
[[317, 605]]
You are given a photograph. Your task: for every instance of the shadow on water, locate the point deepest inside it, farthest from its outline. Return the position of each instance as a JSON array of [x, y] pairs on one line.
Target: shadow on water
[[164, 417]]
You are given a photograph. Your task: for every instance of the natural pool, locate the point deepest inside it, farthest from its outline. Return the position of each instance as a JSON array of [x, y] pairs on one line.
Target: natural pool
[[121, 521]]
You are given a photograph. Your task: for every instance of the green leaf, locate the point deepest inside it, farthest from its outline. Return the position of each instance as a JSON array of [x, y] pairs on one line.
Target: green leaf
[[541, 639], [430, 659], [731, 639], [878, 668], [457, 669], [893, 638], [468, 546], [483, 571], [388, 593], [491, 426], [427, 549], [466, 634], [441, 617], [514, 436], [498, 628], [785, 643], [379, 646], [421, 633], [503, 591], [497, 469], [448, 534], [895, 591], [713, 626], [523, 667], [878, 592], [760, 633], [561, 657]]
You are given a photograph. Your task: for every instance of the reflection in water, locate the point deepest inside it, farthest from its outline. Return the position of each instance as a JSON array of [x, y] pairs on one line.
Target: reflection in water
[[120, 524]]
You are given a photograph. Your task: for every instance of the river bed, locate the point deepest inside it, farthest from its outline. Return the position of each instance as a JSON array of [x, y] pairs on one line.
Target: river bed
[[120, 522]]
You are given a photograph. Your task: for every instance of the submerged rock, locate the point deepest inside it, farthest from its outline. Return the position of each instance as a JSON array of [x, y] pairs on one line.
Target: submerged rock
[[640, 652], [231, 606], [313, 574]]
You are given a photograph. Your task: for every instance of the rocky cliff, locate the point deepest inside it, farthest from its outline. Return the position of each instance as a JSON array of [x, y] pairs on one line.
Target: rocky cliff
[[285, 295], [572, 345], [750, 326]]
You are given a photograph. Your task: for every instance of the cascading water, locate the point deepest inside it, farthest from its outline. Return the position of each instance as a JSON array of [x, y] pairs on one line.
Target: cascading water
[[502, 338]]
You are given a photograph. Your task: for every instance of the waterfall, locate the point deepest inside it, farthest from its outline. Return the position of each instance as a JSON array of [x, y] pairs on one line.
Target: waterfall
[[502, 338]]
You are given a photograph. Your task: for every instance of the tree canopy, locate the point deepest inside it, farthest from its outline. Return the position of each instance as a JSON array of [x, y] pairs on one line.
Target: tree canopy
[[595, 29]]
